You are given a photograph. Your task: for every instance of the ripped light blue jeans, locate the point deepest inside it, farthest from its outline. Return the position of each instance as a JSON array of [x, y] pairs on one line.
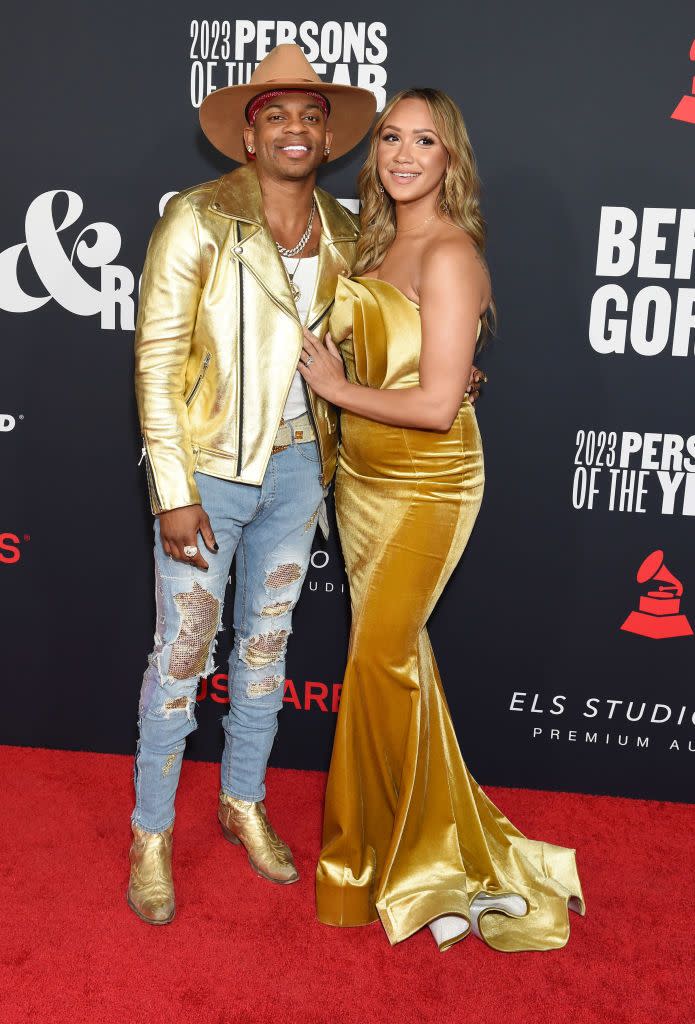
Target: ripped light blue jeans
[[270, 529]]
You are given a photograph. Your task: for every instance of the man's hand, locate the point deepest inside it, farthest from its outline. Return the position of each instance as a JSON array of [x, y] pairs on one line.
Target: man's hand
[[477, 378], [179, 529]]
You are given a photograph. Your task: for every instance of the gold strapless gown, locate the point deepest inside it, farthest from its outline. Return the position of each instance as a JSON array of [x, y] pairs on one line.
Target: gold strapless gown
[[409, 836]]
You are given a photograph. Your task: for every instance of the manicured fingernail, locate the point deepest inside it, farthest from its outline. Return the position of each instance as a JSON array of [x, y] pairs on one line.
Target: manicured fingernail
[[216, 546]]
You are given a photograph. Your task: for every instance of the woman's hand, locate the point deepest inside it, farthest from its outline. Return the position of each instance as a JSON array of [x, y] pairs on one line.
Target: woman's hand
[[322, 368], [475, 380]]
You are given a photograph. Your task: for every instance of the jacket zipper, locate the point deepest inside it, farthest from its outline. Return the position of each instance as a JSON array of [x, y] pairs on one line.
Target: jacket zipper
[[150, 475], [318, 320], [310, 408], [240, 437], [201, 378]]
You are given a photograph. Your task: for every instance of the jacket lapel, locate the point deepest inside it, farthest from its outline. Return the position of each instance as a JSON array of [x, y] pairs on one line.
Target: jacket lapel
[[238, 196], [331, 264], [336, 253]]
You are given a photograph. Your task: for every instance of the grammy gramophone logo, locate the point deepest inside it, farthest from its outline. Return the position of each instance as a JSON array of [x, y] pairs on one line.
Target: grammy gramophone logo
[[659, 615], [685, 111]]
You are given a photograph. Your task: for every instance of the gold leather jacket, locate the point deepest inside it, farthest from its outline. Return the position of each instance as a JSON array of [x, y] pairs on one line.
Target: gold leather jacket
[[218, 337]]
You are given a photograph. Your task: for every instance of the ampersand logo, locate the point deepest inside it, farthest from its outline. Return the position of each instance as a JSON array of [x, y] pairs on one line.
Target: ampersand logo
[[57, 270]]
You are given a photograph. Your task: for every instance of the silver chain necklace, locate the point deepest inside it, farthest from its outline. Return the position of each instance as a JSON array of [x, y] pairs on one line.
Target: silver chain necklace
[[301, 244], [296, 290]]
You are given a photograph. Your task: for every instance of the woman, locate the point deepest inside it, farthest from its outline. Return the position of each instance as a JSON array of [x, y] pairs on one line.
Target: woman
[[408, 834]]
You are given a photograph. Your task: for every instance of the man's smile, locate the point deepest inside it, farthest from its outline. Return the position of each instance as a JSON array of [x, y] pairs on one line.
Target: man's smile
[[294, 149]]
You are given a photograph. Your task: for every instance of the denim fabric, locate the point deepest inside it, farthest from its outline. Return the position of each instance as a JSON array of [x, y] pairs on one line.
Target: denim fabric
[[270, 529]]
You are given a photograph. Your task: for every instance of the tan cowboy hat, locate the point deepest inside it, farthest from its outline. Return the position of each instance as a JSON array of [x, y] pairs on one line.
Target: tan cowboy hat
[[222, 114]]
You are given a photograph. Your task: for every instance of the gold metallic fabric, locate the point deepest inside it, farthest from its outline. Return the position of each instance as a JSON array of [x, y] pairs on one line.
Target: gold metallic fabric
[[151, 885], [218, 337], [246, 822], [409, 836]]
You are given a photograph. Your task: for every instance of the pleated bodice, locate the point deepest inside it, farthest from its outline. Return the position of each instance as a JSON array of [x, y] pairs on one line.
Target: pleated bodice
[[377, 328]]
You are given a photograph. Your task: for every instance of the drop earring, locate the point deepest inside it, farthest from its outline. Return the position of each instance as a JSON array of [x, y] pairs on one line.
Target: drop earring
[[443, 205]]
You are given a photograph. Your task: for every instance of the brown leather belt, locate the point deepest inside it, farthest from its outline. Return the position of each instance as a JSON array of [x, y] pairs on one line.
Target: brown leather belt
[[296, 431]]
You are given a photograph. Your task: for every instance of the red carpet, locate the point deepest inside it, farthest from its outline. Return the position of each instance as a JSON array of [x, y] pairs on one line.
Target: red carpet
[[242, 951]]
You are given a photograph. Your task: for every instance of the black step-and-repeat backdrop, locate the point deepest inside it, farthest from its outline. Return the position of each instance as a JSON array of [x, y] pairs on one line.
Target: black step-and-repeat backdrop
[[565, 638]]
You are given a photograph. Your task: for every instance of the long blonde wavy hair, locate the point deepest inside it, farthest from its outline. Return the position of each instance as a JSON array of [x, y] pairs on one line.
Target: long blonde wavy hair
[[459, 197]]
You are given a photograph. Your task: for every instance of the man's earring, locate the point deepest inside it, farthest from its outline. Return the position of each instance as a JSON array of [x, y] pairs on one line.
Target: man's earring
[[326, 152], [250, 149]]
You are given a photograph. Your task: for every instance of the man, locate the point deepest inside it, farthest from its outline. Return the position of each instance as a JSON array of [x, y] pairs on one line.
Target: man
[[237, 450]]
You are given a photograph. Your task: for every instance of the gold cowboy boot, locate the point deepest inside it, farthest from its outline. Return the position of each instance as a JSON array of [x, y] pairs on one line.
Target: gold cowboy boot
[[247, 823], [151, 886]]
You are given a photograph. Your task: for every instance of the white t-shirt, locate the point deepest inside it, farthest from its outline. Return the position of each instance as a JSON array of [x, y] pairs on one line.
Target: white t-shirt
[[305, 279]]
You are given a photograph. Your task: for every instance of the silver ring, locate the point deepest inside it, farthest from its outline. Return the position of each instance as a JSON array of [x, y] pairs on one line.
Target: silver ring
[[308, 361], [190, 551]]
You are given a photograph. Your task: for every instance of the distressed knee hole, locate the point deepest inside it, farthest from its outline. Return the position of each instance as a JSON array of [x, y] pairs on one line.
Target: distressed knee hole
[[199, 612], [169, 764], [264, 649], [283, 575], [279, 608], [262, 687]]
